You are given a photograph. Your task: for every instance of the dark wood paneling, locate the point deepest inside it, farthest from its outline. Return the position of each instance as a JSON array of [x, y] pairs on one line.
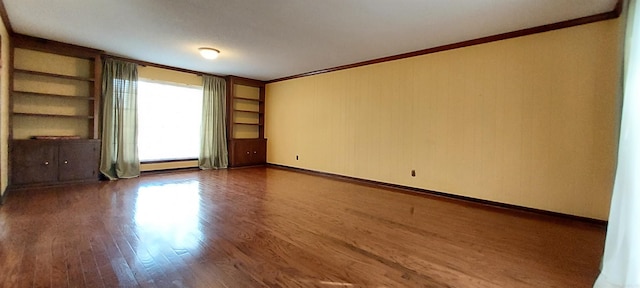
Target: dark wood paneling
[[240, 153], [33, 162], [620, 7], [95, 128], [78, 160], [247, 152], [264, 227], [50, 46], [40, 162], [246, 81], [4, 197], [524, 32]]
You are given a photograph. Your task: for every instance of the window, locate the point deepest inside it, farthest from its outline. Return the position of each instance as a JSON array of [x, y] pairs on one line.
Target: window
[[169, 117]]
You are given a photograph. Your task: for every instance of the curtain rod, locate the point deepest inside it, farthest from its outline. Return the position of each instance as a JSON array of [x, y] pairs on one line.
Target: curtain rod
[[151, 64]]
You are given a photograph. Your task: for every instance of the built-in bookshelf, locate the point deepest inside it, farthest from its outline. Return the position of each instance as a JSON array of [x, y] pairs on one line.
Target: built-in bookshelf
[[245, 99], [54, 90], [247, 112], [54, 109]]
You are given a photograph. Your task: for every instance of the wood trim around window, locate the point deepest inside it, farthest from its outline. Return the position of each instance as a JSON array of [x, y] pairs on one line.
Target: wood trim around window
[[151, 64]]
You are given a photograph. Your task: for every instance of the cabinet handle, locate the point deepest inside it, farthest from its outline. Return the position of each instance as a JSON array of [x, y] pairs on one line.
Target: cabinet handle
[[46, 162], [255, 152], [65, 162], [247, 152]]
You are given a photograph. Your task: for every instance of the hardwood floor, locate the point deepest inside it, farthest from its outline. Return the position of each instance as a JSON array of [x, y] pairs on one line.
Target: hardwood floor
[[267, 227]]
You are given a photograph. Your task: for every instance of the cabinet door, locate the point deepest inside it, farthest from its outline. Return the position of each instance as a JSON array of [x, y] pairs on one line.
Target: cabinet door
[[78, 160], [33, 162], [259, 152], [241, 153], [247, 152]]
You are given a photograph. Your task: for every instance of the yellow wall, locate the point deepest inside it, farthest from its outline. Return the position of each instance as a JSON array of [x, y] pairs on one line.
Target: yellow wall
[[529, 121], [4, 110], [166, 75]]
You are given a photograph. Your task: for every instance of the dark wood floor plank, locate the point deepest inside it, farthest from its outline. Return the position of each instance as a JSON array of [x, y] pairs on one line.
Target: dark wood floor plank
[[10, 261], [340, 231], [90, 270], [59, 277], [266, 227], [42, 277], [113, 268], [339, 254], [145, 259], [73, 263], [228, 253], [118, 263], [442, 265], [387, 253], [206, 276], [27, 272], [136, 268], [155, 254]]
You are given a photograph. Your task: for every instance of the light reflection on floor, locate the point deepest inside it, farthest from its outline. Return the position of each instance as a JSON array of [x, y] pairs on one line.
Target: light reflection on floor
[[168, 214]]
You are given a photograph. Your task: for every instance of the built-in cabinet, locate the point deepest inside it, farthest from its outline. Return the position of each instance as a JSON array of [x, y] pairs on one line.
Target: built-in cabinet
[[41, 162], [245, 122], [54, 95], [248, 152]]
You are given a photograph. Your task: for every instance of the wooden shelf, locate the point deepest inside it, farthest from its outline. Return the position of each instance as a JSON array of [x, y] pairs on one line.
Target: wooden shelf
[[247, 111], [252, 124], [247, 99], [85, 98], [46, 74], [53, 115]]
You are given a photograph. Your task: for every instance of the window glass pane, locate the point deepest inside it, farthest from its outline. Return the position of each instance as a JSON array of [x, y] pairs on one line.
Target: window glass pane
[[169, 119]]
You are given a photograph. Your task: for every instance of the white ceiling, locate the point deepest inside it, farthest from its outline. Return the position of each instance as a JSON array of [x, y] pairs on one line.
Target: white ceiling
[[271, 39]]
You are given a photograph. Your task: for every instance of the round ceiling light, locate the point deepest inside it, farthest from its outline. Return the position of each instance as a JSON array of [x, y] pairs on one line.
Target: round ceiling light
[[209, 53]]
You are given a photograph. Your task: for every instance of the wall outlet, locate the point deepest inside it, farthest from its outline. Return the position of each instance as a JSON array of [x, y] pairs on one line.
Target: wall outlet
[[413, 173]]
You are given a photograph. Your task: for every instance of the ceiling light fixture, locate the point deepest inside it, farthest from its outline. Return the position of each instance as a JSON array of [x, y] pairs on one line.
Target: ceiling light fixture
[[209, 53]]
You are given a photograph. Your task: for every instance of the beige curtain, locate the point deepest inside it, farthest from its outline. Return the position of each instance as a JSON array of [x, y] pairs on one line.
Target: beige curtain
[[213, 136], [119, 155]]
